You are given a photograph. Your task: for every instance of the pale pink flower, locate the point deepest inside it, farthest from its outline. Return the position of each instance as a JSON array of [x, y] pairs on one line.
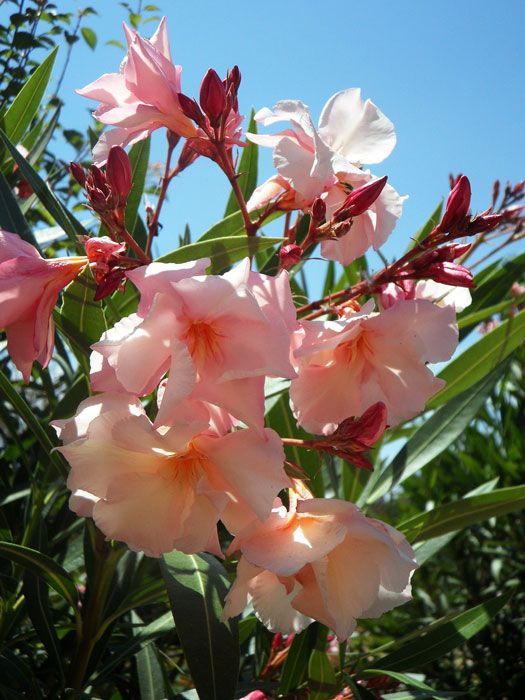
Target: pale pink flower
[[442, 294], [322, 560], [142, 97], [162, 489], [29, 289], [218, 336], [345, 366], [326, 162]]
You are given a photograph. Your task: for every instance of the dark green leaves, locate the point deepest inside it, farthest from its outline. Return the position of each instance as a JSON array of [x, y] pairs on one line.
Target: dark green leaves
[[26, 103], [462, 513], [62, 216], [89, 37], [42, 565], [197, 585], [442, 637]]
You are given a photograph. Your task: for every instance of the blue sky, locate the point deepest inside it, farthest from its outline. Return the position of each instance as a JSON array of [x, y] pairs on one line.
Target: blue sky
[[448, 74]]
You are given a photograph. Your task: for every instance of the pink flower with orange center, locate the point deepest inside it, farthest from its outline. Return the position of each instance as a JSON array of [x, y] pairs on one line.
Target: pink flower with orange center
[[165, 488]]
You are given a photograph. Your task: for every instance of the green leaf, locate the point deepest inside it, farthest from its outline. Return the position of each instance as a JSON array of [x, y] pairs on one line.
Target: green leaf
[[321, 676], [62, 216], [480, 358], [11, 218], [82, 319], [473, 319], [462, 513], [247, 170], [434, 436], [231, 225], [223, 252], [36, 594], [42, 565], [197, 586], [442, 638], [26, 103], [427, 549], [32, 422], [89, 37], [407, 680], [139, 158], [493, 284], [149, 671], [296, 664], [431, 223], [157, 628]]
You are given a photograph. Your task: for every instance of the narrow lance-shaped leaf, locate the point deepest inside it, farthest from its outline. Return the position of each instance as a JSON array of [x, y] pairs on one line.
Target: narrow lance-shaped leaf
[[479, 359], [434, 436], [197, 585], [296, 664], [53, 206], [32, 422], [42, 565], [139, 158], [462, 513], [26, 103], [82, 318], [11, 218], [442, 638]]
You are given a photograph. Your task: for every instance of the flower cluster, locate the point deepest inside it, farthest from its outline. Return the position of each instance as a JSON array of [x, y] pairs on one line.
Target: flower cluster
[[173, 441]]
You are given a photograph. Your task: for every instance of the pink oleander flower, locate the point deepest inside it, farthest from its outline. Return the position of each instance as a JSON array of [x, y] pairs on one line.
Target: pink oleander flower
[[326, 162], [29, 289], [218, 336], [321, 560], [160, 489], [442, 294], [345, 366], [142, 97]]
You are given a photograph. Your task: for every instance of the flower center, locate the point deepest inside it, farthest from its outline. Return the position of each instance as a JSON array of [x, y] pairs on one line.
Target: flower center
[[204, 342], [359, 347]]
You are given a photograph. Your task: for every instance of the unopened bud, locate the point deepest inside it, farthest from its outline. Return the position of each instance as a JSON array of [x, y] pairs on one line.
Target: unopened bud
[[78, 173], [451, 273], [187, 156], [233, 79], [290, 255], [191, 109], [212, 97], [458, 205], [173, 138], [495, 192], [119, 174], [318, 209], [360, 199]]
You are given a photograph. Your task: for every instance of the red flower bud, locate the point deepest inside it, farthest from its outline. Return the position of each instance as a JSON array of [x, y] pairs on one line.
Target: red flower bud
[[212, 97], [458, 204], [119, 174], [318, 209], [451, 273], [78, 173], [360, 199], [187, 156], [290, 255], [233, 79], [191, 109]]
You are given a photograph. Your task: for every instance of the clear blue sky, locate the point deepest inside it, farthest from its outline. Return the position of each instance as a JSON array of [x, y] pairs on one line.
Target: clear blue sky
[[448, 74]]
